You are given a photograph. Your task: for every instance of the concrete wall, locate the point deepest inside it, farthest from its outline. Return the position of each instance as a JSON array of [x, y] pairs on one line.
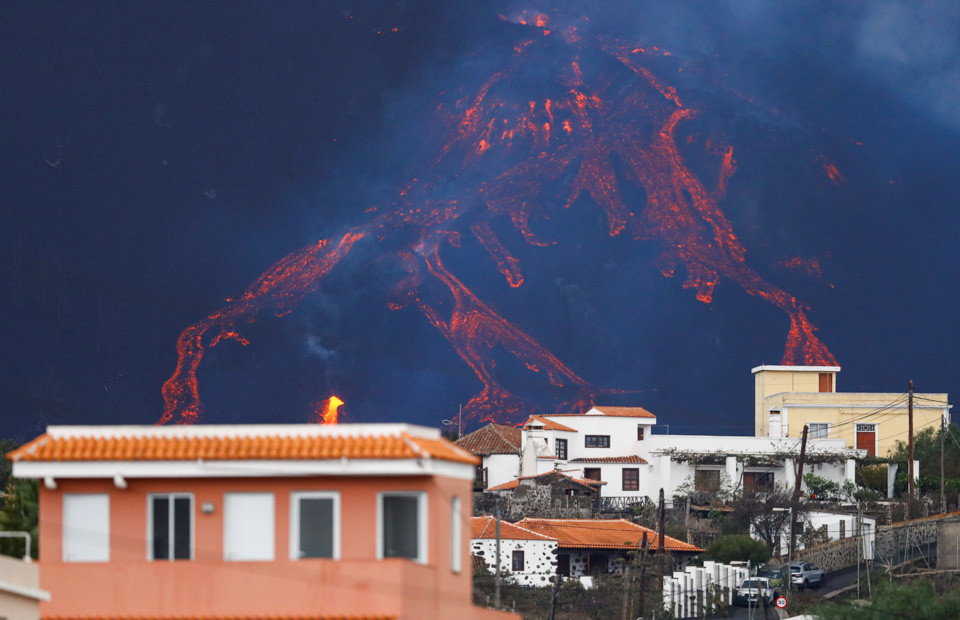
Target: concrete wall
[[501, 468], [20, 592], [948, 545]]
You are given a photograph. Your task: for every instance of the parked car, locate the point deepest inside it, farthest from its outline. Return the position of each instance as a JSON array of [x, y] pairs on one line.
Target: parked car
[[806, 575], [753, 590], [775, 575]]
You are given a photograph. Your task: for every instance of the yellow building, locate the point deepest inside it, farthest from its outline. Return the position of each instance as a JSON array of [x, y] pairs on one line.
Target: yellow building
[[787, 397]]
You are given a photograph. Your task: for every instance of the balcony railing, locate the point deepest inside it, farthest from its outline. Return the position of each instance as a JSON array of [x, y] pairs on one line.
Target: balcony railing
[[622, 503]]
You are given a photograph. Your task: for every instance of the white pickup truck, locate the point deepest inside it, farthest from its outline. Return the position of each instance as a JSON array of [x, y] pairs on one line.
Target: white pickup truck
[[753, 590]]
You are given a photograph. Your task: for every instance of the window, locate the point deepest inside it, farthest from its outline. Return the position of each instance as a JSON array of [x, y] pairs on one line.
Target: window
[[597, 441], [171, 526], [248, 526], [707, 480], [591, 473], [517, 561], [480, 478], [402, 525], [819, 430], [456, 519], [86, 527], [757, 482], [631, 479], [315, 525], [562, 449], [639, 432]]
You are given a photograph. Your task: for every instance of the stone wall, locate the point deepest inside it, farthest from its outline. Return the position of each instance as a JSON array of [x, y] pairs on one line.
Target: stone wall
[[892, 541]]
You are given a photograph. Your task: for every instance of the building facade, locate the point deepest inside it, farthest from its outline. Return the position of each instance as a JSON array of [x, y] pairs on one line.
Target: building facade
[[362, 520], [615, 445], [789, 397]]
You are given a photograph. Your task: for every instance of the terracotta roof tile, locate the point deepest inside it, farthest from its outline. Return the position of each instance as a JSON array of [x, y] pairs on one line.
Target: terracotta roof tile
[[492, 439], [610, 459], [506, 486], [231, 617], [549, 425], [624, 412], [486, 528], [601, 534], [143, 444]]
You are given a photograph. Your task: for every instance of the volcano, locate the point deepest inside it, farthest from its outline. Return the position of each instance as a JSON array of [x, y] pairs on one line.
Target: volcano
[[564, 122]]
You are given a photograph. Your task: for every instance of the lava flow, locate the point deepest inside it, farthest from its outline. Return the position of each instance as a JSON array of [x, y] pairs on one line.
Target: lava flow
[[518, 152], [327, 411]]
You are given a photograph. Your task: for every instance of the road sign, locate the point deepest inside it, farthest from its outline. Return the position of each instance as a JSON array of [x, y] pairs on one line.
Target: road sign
[[781, 602]]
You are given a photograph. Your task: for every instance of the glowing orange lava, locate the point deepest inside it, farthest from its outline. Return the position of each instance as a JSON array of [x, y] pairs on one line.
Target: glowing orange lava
[[327, 411], [598, 126]]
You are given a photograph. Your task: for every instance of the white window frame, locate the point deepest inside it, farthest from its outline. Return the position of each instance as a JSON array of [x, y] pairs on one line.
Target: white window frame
[[169, 496], [82, 548], [273, 527], [295, 498], [456, 535], [823, 430], [422, 514]]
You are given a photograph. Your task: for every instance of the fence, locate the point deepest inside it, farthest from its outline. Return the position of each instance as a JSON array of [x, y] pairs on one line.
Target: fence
[[697, 590]]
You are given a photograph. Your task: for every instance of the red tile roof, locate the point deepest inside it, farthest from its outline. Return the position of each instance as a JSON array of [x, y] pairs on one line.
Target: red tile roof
[[549, 425], [486, 527], [492, 439], [231, 617], [601, 534], [154, 443], [610, 459], [506, 486]]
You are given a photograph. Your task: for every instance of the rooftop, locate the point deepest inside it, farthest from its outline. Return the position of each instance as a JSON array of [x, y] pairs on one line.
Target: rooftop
[[267, 442], [506, 486], [492, 439], [486, 527], [602, 534]]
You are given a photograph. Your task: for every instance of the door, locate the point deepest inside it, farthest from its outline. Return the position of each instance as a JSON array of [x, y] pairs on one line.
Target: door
[[563, 564], [867, 438]]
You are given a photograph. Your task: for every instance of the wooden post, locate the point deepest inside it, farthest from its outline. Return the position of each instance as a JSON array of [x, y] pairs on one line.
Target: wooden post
[[910, 432], [795, 502]]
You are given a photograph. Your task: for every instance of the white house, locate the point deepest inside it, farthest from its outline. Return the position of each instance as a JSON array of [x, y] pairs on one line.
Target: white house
[[498, 446], [615, 445]]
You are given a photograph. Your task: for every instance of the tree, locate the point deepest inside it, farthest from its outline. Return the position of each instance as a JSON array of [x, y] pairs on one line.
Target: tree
[[926, 449], [766, 516], [821, 488], [20, 513], [737, 548]]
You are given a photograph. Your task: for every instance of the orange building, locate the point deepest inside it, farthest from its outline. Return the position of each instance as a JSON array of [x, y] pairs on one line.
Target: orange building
[[258, 521]]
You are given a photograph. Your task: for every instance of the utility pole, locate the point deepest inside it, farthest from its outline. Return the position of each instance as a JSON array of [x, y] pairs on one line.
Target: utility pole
[[795, 502], [910, 431], [555, 596], [643, 577], [943, 495], [661, 526], [497, 576]]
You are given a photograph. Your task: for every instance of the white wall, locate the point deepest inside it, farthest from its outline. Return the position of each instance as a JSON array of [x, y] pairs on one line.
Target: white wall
[[501, 468], [539, 558]]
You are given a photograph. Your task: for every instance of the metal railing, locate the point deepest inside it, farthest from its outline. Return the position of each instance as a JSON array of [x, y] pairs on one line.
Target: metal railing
[[622, 503]]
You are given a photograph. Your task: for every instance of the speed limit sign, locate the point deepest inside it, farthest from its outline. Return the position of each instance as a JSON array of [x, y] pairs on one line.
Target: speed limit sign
[[781, 602]]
